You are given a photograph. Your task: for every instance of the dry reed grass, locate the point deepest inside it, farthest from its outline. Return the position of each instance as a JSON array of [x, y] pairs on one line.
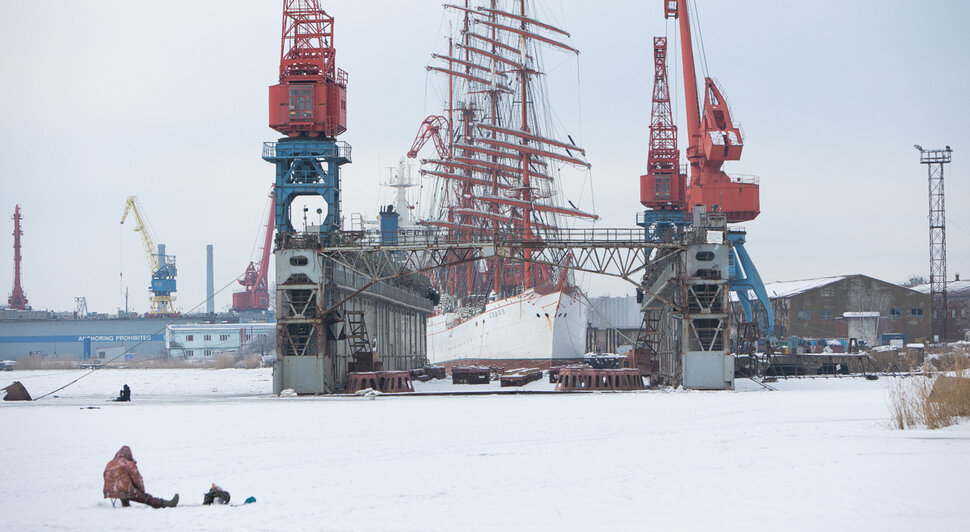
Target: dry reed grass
[[251, 362], [224, 361], [32, 362], [932, 401]]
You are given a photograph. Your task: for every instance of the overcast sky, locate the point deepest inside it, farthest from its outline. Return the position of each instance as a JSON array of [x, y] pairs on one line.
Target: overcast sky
[[168, 101]]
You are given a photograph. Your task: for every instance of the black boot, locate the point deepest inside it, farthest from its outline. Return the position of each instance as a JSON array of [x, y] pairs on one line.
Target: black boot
[[171, 502]]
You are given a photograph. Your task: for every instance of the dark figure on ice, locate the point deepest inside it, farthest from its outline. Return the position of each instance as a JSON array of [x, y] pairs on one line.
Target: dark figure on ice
[[215, 495], [124, 395], [123, 481]]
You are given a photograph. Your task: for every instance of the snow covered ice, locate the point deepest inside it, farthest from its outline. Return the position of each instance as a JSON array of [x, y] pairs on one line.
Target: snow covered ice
[[814, 455]]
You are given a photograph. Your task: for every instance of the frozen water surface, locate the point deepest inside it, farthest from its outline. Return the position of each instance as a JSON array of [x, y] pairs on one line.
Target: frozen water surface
[[814, 455]]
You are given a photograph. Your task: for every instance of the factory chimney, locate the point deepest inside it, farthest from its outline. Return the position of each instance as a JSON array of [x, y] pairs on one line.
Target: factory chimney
[[210, 304]]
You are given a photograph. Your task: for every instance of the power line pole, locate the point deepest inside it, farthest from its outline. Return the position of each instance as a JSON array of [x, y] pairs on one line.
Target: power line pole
[[935, 161]]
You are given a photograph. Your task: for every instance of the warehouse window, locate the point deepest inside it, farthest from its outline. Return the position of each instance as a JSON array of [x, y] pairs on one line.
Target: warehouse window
[[828, 292], [189, 337], [804, 314], [208, 337], [825, 314], [208, 353], [189, 353], [895, 313], [223, 337], [915, 313]]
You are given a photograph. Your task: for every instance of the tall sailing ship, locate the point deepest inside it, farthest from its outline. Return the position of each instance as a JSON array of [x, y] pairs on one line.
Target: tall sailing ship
[[497, 171]]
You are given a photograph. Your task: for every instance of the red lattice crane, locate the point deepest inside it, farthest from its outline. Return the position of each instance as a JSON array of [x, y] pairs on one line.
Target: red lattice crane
[[713, 138], [311, 97], [431, 129], [663, 187], [255, 297], [17, 300]]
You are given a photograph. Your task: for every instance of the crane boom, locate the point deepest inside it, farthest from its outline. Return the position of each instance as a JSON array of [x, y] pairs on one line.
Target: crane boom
[[431, 129], [132, 205], [713, 138], [267, 243], [255, 279]]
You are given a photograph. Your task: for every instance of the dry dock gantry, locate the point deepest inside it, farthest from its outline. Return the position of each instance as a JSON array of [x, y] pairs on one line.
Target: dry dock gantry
[[322, 333], [355, 300]]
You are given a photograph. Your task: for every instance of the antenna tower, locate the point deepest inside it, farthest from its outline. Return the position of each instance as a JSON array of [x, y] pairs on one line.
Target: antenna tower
[[17, 300], [935, 161]]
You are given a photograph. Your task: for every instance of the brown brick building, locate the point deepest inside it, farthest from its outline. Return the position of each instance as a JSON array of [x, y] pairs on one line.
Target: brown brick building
[[848, 306], [957, 306]]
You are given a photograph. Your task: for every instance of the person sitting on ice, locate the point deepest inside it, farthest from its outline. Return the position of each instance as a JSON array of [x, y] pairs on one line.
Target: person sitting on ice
[[124, 395], [123, 481]]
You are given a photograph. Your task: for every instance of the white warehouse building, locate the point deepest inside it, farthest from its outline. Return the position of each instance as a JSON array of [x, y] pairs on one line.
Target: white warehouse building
[[204, 341]]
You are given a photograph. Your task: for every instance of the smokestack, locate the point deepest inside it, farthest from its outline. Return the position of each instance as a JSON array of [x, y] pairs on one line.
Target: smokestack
[[210, 304], [161, 254]]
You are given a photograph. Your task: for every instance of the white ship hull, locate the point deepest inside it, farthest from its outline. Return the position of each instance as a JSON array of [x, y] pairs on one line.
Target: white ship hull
[[526, 327]]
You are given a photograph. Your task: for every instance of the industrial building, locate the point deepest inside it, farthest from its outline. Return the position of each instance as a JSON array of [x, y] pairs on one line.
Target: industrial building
[[61, 335], [845, 306], [613, 322], [957, 307], [204, 341]]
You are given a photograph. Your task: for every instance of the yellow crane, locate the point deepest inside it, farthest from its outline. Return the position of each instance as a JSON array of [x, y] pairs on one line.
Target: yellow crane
[[162, 266]]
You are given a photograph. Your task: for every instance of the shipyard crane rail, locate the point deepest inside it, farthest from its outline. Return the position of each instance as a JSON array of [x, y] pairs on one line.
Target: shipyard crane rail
[[161, 265]]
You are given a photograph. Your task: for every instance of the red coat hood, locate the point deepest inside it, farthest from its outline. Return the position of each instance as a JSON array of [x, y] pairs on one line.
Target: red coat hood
[[124, 452]]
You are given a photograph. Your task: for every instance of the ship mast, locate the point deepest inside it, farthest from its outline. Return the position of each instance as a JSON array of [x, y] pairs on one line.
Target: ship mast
[[496, 177]]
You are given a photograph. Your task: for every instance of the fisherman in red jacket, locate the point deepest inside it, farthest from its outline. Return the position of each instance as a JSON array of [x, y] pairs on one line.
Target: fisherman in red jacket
[[123, 481]]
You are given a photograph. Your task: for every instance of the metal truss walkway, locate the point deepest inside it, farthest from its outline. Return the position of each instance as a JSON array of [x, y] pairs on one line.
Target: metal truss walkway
[[622, 253]]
